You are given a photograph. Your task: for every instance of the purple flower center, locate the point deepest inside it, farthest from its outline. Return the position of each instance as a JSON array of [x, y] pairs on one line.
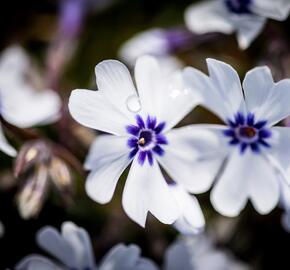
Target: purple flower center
[[146, 139], [245, 132], [238, 6]]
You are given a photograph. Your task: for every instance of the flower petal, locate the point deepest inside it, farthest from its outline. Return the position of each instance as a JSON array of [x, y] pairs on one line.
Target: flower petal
[[146, 190], [107, 159], [36, 262], [115, 83], [277, 10], [248, 28], [192, 219], [216, 14], [271, 102], [123, 257], [50, 240], [280, 147], [238, 183], [92, 109], [162, 95], [221, 92], [5, 146], [80, 241], [257, 85], [194, 155], [25, 107]]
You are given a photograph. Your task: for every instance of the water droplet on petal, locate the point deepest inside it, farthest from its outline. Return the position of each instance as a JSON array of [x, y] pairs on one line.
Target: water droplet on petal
[[133, 104]]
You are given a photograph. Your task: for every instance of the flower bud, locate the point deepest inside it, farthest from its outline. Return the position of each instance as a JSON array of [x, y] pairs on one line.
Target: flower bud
[[31, 197]]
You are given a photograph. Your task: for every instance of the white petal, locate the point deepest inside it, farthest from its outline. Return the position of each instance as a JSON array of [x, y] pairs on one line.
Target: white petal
[[270, 99], [25, 107], [92, 109], [238, 183], [277, 10], [146, 190], [79, 240], [280, 148], [221, 91], [162, 95], [5, 146], [115, 83], [51, 241], [123, 257], [13, 61], [257, 85], [107, 159], [248, 28], [36, 262], [228, 84], [194, 155], [208, 16], [192, 219]]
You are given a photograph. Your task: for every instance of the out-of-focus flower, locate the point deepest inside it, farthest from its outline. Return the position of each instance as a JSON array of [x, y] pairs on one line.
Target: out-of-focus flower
[[192, 220], [142, 127], [38, 167], [162, 44], [73, 250], [246, 17], [255, 152], [199, 253], [157, 42], [23, 103]]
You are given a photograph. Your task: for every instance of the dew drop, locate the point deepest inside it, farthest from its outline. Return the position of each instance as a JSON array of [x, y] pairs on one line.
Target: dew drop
[[133, 104]]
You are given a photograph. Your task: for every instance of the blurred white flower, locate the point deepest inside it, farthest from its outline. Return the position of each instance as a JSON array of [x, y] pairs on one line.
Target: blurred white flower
[[73, 250], [245, 17], [141, 124], [152, 42], [256, 154], [156, 42], [199, 253], [21, 102]]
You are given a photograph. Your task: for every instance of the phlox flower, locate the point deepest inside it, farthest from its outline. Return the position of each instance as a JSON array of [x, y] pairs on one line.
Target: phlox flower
[[156, 42], [254, 151], [141, 126], [245, 17], [21, 102], [73, 250]]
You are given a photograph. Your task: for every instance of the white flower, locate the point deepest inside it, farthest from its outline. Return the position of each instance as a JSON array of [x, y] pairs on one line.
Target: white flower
[[141, 125], [199, 253], [21, 104], [256, 154], [245, 17], [73, 250]]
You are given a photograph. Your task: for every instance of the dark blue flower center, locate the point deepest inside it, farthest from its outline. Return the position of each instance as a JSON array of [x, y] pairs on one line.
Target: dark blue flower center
[[146, 139], [238, 6], [246, 132]]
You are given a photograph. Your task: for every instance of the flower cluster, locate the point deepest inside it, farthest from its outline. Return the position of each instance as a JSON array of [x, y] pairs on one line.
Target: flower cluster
[[142, 133]]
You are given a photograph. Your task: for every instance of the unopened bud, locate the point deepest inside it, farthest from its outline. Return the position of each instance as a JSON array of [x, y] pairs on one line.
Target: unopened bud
[[33, 152], [60, 174], [31, 197]]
